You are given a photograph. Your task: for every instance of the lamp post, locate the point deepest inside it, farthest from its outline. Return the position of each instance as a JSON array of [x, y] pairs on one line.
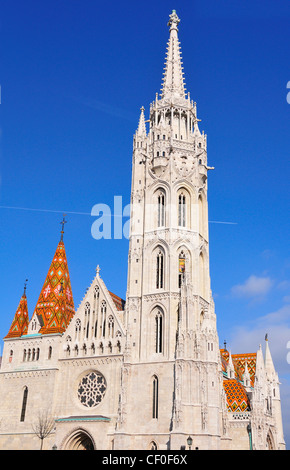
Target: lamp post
[[189, 442]]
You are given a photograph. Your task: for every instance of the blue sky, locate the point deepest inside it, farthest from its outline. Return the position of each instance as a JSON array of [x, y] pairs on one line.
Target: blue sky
[[73, 78]]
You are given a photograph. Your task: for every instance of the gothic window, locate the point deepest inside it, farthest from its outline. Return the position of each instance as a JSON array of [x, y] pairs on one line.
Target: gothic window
[[111, 326], [155, 397], [110, 347], [92, 389], [24, 403], [159, 332], [118, 346], [24, 355], [153, 445], [161, 209], [37, 353], [77, 329], [160, 270], [181, 210], [103, 313], [87, 319], [96, 292], [181, 268]]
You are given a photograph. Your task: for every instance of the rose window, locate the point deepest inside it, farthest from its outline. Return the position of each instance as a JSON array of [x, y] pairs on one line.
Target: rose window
[[92, 389]]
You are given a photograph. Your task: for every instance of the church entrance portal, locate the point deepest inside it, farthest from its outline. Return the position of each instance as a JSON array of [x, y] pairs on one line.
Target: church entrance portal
[[80, 440]]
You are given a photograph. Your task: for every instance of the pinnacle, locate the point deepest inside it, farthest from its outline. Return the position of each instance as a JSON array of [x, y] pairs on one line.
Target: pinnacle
[[141, 131], [173, 80]]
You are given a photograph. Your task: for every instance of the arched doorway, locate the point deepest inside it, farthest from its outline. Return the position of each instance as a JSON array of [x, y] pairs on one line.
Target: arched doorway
[[79, 440]]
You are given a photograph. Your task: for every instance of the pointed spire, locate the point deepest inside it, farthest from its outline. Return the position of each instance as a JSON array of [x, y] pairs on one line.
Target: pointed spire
[[20, 322], [55, 304], [246, 376], [173, 81], [231, 369], [269, 365], [141, 131]]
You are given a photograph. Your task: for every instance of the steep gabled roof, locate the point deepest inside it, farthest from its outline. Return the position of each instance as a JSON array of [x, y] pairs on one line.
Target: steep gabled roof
[[20, 322], [239, 362], [55, 305]]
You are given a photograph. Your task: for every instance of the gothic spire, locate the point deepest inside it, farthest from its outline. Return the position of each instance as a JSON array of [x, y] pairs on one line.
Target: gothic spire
[[269, 366], [20, 322], [173, 81], [141, 131], [55, 305]]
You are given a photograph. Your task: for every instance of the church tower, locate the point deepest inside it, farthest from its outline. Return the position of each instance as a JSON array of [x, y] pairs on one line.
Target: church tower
[[171, 371]]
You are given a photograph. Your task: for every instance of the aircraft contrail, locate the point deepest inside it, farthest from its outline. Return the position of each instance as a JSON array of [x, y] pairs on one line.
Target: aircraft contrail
[[88, 213]]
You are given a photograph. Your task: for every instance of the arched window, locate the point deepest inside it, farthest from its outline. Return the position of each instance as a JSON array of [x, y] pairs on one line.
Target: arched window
[[161, 209], [96, 292], [103, 313], [111, 326], [159, 332], [24, 403], [155, 397], [153, 445], [160, 270], [181, 268], [87, 319], [77, 329], [181, 210]]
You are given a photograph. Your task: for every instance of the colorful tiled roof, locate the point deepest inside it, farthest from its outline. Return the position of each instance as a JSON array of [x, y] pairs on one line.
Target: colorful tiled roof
[[20, 322], [237, 400], [239, 362], [55, 304], [119, 303]]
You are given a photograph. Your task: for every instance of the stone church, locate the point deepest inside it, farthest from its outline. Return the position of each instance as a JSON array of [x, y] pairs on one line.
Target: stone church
[[147, 372]]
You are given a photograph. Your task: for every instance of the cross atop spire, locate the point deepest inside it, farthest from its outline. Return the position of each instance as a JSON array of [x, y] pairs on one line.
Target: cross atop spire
[[173, 81], [62, 227], [25, 287]]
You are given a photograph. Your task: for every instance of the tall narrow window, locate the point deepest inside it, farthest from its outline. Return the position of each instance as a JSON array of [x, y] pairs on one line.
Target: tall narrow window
[[103, 313], [24, 403], [159, 333], [181, 210], [161, 210], [160, 270], [181, 268], [155, 398], [87, 319]]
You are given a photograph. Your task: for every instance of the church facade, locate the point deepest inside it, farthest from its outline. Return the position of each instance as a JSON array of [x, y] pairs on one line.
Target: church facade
[[146, 372]]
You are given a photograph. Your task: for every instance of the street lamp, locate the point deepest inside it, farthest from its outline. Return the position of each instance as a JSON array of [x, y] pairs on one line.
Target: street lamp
[[189, 442]]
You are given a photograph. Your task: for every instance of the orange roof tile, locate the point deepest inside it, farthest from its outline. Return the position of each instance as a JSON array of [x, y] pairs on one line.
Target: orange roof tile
[[239, 361], [55, 304], [20, 322], [119, 303], [237, 399]]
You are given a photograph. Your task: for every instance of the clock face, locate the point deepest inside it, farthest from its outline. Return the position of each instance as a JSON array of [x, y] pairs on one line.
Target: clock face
[[91, 389]]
